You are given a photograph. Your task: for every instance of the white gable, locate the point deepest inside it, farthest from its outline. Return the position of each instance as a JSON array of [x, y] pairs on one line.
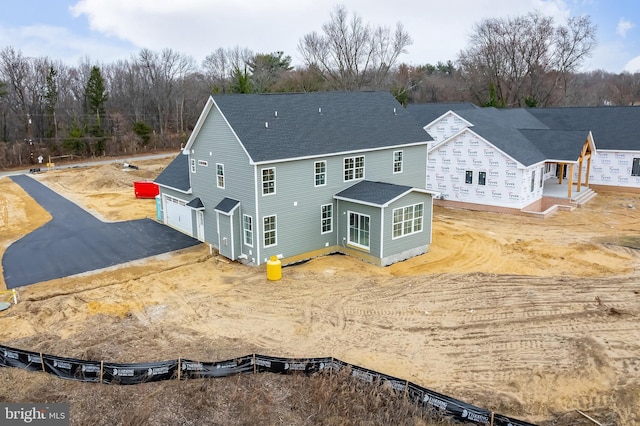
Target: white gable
[[505, 180], [445, 126]]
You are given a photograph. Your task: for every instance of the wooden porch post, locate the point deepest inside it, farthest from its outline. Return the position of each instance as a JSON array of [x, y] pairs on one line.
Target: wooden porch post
[[588, 171], [570, 180], [560, 173], [579, 174]]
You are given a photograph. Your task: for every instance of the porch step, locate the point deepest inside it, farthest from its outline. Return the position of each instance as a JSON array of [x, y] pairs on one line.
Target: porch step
[[584, 197]]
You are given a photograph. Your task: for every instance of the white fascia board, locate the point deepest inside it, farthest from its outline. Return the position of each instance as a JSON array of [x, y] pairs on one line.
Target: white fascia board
[[444, 115], [199, 124], [592, 143], [420, 190], [203, 116], [334, 154], [353, 200], [467, 129], [622, 151], [175, 189], [449, 138]]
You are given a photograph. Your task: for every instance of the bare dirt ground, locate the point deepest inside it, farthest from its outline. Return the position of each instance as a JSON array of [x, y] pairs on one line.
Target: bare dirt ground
[[528, 317]]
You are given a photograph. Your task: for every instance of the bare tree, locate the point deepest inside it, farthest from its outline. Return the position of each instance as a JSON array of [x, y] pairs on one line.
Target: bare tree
[[220, 66], [526, 59], [351, 54], [162, 73]]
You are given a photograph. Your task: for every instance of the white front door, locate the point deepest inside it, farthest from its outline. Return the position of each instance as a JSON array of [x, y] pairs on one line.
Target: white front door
[[200, 225]]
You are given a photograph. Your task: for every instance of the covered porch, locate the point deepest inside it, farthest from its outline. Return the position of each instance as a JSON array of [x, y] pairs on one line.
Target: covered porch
[[570, 191]]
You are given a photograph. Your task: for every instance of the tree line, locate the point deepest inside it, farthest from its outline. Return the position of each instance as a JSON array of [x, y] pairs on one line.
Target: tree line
[[151, 100]]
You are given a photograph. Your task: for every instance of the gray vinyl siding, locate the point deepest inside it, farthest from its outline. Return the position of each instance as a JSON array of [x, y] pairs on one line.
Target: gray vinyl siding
[[216, 143], [379, 166], [399, 245], [297, 200], [374, 213], [296, 204]]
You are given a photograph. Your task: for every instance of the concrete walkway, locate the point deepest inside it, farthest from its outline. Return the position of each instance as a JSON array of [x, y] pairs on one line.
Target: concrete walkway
[[74, 241]]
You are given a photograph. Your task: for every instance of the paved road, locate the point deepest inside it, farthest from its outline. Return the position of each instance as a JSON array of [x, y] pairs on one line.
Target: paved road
[[74, 241], [130, 160]]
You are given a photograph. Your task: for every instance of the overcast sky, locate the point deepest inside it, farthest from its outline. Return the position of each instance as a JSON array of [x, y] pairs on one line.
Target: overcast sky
[[108, 30]]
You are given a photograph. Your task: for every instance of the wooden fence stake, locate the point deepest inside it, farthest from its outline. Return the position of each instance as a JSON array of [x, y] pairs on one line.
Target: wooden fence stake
[[101, 370], [492, 417], [42, 363], [179, 368], [254, 364], [590, 418]]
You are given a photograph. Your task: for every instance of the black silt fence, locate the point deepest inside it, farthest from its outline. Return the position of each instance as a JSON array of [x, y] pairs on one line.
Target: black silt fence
[[186, 369]]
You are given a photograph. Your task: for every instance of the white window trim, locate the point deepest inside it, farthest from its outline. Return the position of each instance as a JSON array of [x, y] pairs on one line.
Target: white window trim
[[193, 165], [352, 243], [316, 174], [344, 168], [275, 231], [329, 218], [218, 176], [401, 162], [244, 229], [262, 180], [413, 232]]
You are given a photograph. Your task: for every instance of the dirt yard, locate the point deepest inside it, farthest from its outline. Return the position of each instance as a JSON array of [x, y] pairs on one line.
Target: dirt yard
[[531, 318]]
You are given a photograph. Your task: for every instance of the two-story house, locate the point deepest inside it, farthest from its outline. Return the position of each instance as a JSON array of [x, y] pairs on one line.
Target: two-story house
[[299, 175]]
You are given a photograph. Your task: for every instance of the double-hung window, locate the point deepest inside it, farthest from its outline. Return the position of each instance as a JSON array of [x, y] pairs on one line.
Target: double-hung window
[[326, 214], [269, 229], [269, 181], [482, 178], [193, 165], [635, 168], [468, 176], [320, 173], [397, 161], [353, 168], [220, 175], [247, 229]]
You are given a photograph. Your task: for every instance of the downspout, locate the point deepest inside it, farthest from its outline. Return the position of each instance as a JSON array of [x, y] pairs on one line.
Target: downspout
[[257, 227], [382, 233]]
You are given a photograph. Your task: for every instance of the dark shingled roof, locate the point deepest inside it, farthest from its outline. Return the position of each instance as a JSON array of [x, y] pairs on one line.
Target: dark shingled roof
[[502, 129], [320, 123], [196, 203], [378, 193], [562, 145], [613, 128], [226, 205], [176, 174], [426, 113]]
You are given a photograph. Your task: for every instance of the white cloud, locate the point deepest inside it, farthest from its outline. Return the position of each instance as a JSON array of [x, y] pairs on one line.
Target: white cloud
[[633, 66], [198, 27], [59, 43], [623, 27]]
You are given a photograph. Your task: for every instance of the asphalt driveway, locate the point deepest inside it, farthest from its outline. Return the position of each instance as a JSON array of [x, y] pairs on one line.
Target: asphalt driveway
[[74, 241]]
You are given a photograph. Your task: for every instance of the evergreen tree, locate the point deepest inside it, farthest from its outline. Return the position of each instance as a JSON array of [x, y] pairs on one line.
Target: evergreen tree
[[96, 97], [50, 103]]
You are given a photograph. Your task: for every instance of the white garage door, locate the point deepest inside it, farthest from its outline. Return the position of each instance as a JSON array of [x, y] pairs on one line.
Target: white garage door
[[177, 214]]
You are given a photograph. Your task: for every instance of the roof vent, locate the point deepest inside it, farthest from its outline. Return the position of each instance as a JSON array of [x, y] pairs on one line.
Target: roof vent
[[320, 111], [275, 114], [266, 124], [394, 112]]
